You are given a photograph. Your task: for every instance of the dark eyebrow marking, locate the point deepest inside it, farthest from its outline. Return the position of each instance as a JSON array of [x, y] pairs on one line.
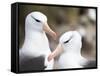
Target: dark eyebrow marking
[[68, 40], [35, 19]]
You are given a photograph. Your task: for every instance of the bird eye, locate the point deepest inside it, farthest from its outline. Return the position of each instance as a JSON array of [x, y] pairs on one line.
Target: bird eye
[[36, 19], [68, 40]]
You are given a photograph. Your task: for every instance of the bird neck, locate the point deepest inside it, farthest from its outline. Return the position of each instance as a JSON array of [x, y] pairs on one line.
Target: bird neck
[[36, 42], [72, 48], [32, 34], [36, 37], [78, 52]]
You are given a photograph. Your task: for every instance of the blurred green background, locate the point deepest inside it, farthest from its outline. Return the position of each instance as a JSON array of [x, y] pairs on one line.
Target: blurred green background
[[63, 19]]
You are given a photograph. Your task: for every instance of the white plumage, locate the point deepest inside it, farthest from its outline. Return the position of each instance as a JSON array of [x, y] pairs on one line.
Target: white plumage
[[71, 56], [36, 42]]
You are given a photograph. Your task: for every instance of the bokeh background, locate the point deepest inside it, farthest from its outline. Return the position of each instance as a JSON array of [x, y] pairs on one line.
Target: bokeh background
[[62, 19]]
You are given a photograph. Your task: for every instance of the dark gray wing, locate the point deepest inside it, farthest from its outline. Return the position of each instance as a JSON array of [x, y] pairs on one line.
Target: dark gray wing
[[32, 64], [90, 64]]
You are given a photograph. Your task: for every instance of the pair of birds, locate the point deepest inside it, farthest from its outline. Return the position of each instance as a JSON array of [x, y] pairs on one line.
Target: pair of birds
[[35, 50]]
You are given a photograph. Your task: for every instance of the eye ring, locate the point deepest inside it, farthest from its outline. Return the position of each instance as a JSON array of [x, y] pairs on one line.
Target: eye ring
[[35, 19]]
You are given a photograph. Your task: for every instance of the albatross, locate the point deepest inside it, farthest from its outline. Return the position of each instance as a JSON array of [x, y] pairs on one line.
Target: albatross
[[35, 49], [69, 48]]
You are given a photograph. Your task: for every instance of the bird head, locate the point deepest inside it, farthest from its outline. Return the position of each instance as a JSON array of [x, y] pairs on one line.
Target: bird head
[[68, 41], [66, 38], [38, 21]]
